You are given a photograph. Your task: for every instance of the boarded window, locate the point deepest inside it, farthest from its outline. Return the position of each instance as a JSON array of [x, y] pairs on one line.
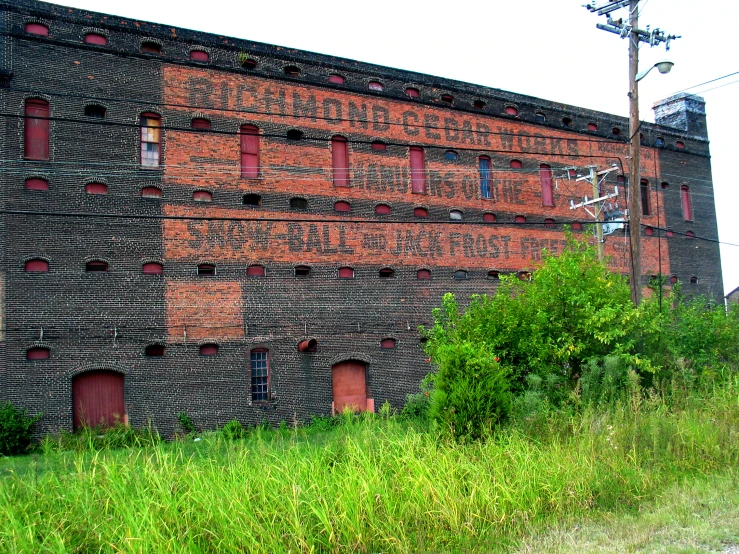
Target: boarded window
[[249, 151], [387, 273], [418, 170], [592, 127], [644, 187], [38, 353], [252, 200], [151, 47], [202, 196], [37, 266], [673, 279], [516, 164], [494, 275], [151, 192], [205, 270], [549, 222], [36, 129], [302, 272], [511, 110], [379, 145], [37, 29], [447, 98], [96, 38], [96, 188], [96, 266], [687, 206], [342, 206], [488, 218], [210, 349], [95, 110], [154, 351], [420, 212], [545, 177], [298, 204], [616, 131], [336, 79], [577, 226], [151, 126], [520, 219], [255, 271], [649, 231], [670, 233], [387, 343], [382, 209], [461, 275], [375, 85], [36, 183], [484, 164], [346, 273], [152, 268], [259, 361], [689, 235], [199, 56], [680, 144], [478, 105], [200, 124], [292, 70], [412, 92], [423, 274], [340, 161]]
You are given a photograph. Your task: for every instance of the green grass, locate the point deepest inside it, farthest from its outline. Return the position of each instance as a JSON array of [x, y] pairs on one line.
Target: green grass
[[383, 485]]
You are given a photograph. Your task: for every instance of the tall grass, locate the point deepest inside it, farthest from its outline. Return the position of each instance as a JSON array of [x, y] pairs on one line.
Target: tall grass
[[371, 485]]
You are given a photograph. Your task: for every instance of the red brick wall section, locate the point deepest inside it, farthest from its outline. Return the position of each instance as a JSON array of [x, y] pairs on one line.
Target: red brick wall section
[[204, 310]]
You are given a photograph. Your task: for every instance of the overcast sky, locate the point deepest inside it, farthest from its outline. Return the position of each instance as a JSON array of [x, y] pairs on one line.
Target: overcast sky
[[550, 49]]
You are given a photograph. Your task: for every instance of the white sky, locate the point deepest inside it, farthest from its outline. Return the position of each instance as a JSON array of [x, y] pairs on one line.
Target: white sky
[[544, 48]]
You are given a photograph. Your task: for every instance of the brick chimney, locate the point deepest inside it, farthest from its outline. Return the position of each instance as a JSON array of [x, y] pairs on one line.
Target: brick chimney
[[683, 111]]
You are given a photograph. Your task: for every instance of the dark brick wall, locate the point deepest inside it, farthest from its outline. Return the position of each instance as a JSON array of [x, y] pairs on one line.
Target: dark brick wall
[[105, 321]]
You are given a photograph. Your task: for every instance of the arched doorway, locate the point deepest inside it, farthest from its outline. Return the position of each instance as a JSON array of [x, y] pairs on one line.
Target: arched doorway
[[97, 399], [349, 381]]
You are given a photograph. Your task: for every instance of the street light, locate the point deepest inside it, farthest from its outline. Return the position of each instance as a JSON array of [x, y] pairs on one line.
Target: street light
[[663, 67]]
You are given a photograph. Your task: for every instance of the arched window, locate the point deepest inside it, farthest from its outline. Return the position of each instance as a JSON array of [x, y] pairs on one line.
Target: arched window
[[540, 117], [154, 351], [461, 275], [379, 146], [485, 191], [255, 270], [206, 270], [420, 212], [95, 110], [37, 265], [37, 29], [151, 139], [336, 79], [151, 47], [519, 219], [37, 183], [340, 160], [478, 105], [292, 70], [516, 164], [302, 271], [412, 92], [200, 124], [387, 344], [447, 98], [387, 273], [346, 273], [259, 361], [249, 151], [494, 275], [38, 353], [151, 192], [96, 188], [549, 222], [687, 206], [209, 349], [375, 85], [488, 218], [545, 177], [36, 129], [96, 38], [418, 170], [199, 56], [511, 110], [342, 206], [383, 209], [152, 268], [455, 215], [592, 127], [96, 266], [202, 196], [423, 274], [252, 200], [451, 155], [298, 204]]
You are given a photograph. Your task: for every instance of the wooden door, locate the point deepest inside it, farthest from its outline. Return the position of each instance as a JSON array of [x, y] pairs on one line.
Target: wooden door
[[97, 398], [350, 385]]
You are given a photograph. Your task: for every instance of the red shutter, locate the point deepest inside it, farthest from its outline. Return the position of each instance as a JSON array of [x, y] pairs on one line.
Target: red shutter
[[255, 271], [420, 212], [520, 219], [592, 127], [199, 56], [152, 268], [37, 29], [423, 274], [412, 92], [200, 124], [342, 206], [98, 399], [249, 151], [209, 349], [96, 188], [346, 273], [488, 218], [418, 170], [37, 130], [39, 353], [644, 197], [687, 207], [545, 175], [516, 164], [382, 209], [151, 192], [36, 183], [340, 161], [510, 110], [95, 38], [349, 382], [37, 266], [202, 196], [387, 343], [336, 79]]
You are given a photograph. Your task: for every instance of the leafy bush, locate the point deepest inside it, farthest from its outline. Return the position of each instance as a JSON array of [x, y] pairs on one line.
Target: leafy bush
[[604, 380], [16, 429], [471, 391], [102, 438], [186, 422], [417, 405], [233, 430]]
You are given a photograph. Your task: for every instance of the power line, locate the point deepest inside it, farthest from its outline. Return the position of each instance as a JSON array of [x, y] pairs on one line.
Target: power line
[[706, 82]]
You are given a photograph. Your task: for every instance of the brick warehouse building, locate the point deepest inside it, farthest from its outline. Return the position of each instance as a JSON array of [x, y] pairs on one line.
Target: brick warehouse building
[[197, 223]]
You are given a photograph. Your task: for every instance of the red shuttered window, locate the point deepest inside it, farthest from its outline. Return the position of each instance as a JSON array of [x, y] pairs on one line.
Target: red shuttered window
[[545, 176], [36, 129], [95, 38], [36, 183], [152, 268], [37, 266], [340, 161], [418, 170], [644, 187], [151, 139], [249, 151], [687, 207], [37, 29]]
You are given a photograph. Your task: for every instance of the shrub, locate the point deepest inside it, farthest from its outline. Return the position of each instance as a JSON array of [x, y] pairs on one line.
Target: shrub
[[471, 391], [16, 429], [604, 380], [417, 405], [233, 430], [186, 422]]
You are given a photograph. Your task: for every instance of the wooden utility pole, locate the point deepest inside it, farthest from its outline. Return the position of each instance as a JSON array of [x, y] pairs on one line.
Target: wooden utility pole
[[635, 208], [598, 210]]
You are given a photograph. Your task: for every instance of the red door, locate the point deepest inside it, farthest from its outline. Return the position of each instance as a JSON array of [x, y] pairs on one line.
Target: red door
[[350, 386], [97, 398]]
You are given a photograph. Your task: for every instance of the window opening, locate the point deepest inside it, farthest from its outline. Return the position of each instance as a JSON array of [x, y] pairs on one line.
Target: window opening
[[298, 204], [202, 196], [577, 226], [520, 219], [488, 217], [592, 127], [210, 349], [524, 275], [342, 206], [447, 98], [259, 375], [680, 144], [151, 47], [37, 266], [95, 110], [252, 200], [540, 117], [249, 151], [336, 79], [379, 145], [412, 92], [545, 176], [484, 163], [478, 105], [694, 280], [36, 183], [423, 274], [346, 273], [292, 70], [199, 56], [37, 29], [383, 209], [96, 188], [96, 39], [511, 110], [150, 140], [616, 131], [687, 206], [418, 170], [294, 134], [494, 275], [649, 231], [340, 161], [152, 268], [151, 192], [36, 129], [387, 344], [154, 351], [567, 122], [375, 85], [200, 124], [96, 266], [387, 273], [664, 185], [455, 215], [205, 270], [644, 187], [460, 275], [549, 222], [38, 353], [255, 271], [689, 234], [451, 156], [420, 212], [302, 272], [673, 279], [516, 164]]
